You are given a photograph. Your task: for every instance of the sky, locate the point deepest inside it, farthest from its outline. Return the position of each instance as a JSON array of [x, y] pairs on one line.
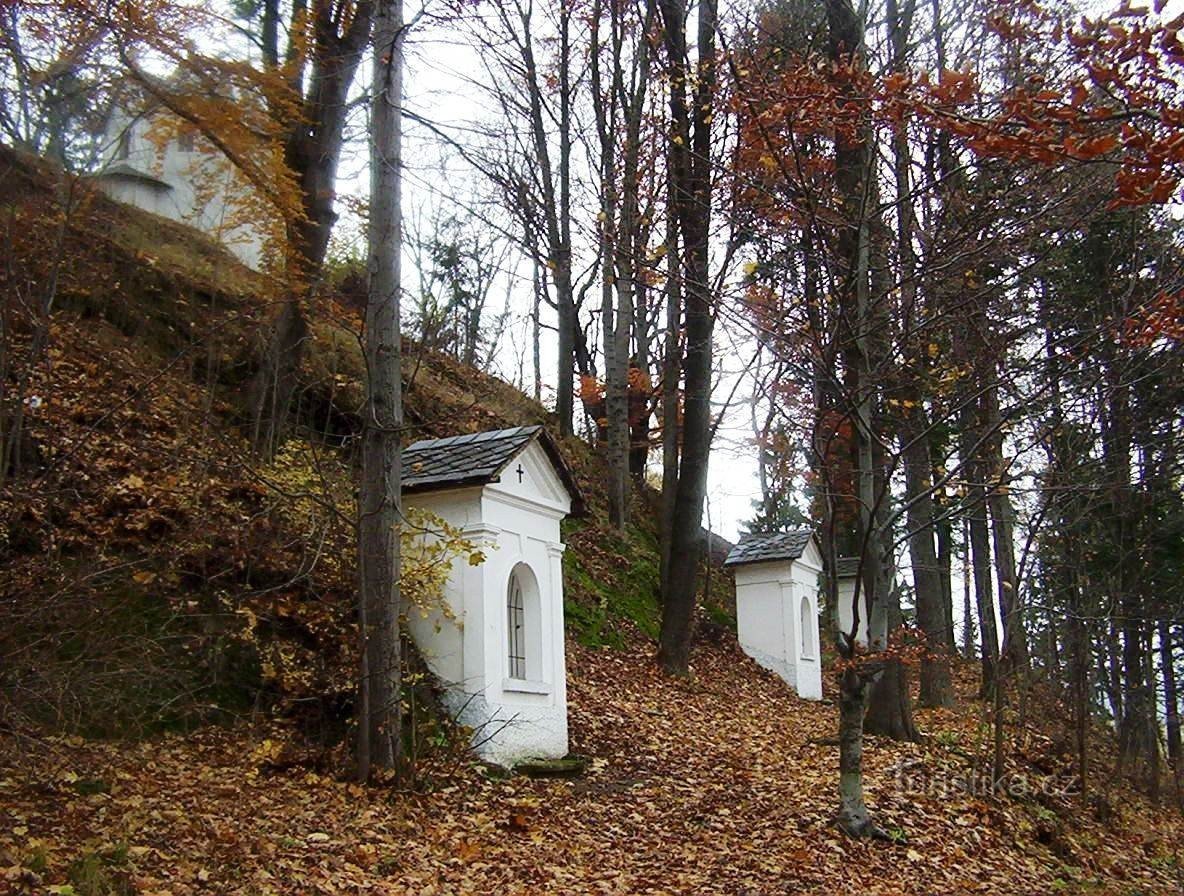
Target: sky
[[441, 71], [444, 85]]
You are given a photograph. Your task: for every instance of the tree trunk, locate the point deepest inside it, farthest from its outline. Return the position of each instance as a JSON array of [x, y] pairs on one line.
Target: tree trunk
[[936, 689], [312, 152], [927, 584], [944, 529], [1079, 675], [561, 248], [553, 182], [274, 385], [620, 225], [536, 334], [890, 711], [691, 154], [1171, 698], [853, 816], [1014, 647], [671, 377], [967, 610], [379, 728], [979, 545], [1111, 649]]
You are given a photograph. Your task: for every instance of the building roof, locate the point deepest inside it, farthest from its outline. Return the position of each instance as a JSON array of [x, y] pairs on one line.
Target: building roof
[[758, 547], [124, 170], [478, 459], [846, 566]]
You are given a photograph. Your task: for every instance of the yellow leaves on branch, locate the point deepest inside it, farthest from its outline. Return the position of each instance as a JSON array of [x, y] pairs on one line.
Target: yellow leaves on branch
[[152, 57]]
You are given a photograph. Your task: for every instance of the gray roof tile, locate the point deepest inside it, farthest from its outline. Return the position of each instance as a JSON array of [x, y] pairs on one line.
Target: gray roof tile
[[474, 458], [757, 547], [478, 459], [846, 566]]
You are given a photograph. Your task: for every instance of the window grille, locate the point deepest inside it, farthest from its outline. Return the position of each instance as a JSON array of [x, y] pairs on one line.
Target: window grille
[[516, 626], [125, 146], [186, 141], [807, 631]]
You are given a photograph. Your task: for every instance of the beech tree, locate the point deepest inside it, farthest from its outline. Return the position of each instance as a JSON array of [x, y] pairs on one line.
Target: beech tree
[[692, 102], [326, 42], [379, 697], [531, 160], [922, 358]]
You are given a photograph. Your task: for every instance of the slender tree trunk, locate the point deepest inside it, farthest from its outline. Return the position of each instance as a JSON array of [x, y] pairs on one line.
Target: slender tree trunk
[[931, 614], [554, 185], [379, 728], [967, 609], [979, 546], [561, 244], [620, 202], [944, 529], [671, 377], [691, 154], [1112, 652], [1171, 697], [627, 267], [1155, 760], [536, 333], [1079, 675], [853, 816], [274, 385], [1015, 637], [936, 688]]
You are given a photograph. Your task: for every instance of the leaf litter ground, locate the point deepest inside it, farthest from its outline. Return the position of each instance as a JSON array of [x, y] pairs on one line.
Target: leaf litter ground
[[723, 783]]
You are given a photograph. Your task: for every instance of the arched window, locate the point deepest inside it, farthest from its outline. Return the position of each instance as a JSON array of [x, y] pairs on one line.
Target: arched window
[[516, 627], [524, 646], [806, 624]]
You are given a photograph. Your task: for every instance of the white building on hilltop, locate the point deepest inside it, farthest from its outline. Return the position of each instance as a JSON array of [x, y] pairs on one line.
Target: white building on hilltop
[[777, 579], [498, 645], [155, 161]]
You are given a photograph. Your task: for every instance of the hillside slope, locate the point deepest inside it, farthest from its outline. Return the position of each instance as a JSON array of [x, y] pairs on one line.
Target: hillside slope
[[155, 577], [166, 575]]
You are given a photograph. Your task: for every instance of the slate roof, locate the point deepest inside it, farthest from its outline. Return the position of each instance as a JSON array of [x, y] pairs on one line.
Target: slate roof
[[846, 566], [478, 459], [757, 547], [123, 169]]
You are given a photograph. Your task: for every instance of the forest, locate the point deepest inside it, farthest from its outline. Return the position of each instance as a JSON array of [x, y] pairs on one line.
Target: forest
[[907, 275]]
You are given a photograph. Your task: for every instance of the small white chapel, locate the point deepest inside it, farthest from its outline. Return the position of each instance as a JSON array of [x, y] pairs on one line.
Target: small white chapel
[[499, 649], [777, 583]]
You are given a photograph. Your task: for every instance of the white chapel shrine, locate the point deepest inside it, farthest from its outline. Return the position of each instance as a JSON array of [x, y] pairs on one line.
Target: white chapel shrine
[[501, 655], [777, 578]]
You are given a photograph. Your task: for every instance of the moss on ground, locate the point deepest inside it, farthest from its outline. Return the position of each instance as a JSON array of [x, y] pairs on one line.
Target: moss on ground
[[612, 587]]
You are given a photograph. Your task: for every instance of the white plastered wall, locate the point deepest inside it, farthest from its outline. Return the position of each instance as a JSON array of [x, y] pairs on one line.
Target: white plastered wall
[[515, 521], [806, 646], [169, 190], [770, 617], [846, 595]]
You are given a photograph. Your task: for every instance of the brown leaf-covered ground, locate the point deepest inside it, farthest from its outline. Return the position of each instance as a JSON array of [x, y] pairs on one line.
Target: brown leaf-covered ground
[[714, 785]]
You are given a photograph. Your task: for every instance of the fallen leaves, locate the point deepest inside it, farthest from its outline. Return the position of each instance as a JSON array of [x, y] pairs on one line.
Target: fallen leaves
[[703, 786]]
